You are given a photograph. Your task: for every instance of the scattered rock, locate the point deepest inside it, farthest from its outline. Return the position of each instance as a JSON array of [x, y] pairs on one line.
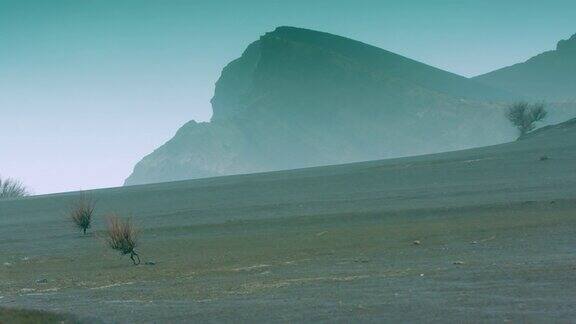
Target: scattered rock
[[321, 233], [458, 262], [42, 281], [362, 260], [25, 258], [252, 268], [488, 239], [8, 264], [474, 242], [150, 263], [416, 242]]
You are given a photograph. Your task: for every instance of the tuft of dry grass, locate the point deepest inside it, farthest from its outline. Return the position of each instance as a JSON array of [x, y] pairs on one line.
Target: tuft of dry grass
[[82, 211], [122, 236]]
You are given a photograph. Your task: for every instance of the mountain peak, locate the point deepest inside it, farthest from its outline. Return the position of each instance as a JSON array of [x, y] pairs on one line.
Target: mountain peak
[[292, 29], [287, 54], [284, 30], [567, 45]]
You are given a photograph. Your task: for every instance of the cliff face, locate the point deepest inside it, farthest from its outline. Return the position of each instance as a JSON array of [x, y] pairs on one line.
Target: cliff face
[[549, 76], [299, 98]]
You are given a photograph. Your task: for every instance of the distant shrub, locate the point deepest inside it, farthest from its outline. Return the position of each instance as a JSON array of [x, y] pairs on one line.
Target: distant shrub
[[122, 237], [524, 116], [11, 188], [82, 211]]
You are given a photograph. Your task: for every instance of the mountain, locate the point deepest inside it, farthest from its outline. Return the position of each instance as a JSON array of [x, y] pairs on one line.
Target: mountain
[[299, 98], [549, 76]]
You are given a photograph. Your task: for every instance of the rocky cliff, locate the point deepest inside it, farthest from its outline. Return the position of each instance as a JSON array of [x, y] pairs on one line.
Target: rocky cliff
[[299, 98]]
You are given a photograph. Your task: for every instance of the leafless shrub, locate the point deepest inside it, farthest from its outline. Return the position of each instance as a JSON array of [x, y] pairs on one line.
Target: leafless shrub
[[12, 188], [122, 237], [82, 211], [524, 116]]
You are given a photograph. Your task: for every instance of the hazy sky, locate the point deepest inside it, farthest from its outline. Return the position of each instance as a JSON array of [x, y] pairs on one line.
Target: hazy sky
[[88, 87]]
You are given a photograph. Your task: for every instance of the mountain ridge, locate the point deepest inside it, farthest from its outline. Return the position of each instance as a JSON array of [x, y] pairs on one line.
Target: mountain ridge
[[546, 76]]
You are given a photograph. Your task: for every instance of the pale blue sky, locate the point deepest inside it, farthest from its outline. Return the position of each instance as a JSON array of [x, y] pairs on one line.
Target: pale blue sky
[[88, 87]]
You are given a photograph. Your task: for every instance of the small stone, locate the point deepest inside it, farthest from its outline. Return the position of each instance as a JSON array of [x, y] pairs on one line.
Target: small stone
[[458, 262], [150, 263], [544, 158], [42, 281], [416, 242]]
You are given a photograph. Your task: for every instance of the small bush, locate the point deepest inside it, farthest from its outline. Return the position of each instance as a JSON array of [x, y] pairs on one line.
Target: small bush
[[81, 212], [122, 237], [524, 116], [11, 188]]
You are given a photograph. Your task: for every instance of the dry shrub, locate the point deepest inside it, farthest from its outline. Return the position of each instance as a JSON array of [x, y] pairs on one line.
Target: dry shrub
[[11, 188], [524, 116], [82, 210], [122, 237]]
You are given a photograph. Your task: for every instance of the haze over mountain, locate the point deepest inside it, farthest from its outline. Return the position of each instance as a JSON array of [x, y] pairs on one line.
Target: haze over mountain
[[549, 76], [299, 98]]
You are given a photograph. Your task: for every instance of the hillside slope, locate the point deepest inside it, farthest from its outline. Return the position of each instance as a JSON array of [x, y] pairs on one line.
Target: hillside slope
[[299, 98], [549, 76], [495, 227]]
